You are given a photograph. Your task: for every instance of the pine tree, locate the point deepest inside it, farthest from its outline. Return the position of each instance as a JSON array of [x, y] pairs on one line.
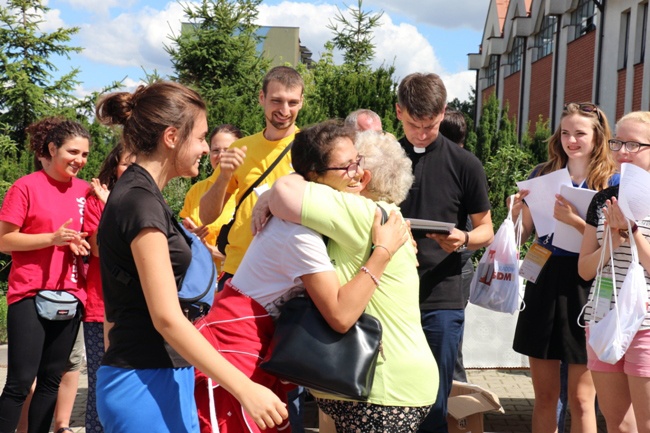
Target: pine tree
[[355, 36], [364, 87], [28, 89], [216, 53]]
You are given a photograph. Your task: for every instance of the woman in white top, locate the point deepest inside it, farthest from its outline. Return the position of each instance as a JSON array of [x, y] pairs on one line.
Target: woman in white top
[[623, 388]]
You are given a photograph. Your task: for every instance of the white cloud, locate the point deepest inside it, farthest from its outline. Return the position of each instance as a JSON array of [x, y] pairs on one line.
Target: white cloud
[[459, 84], [401, 44], [312, 20], [137, 39], [133, 39], [52, 21], [440, 13]]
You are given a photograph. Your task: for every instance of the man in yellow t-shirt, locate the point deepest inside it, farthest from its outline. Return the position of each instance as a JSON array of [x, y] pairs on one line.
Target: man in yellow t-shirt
[[220, 140], [281, 98]]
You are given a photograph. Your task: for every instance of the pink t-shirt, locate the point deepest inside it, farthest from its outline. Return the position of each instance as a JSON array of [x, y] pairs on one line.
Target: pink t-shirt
[[94, 311], [39, 204]]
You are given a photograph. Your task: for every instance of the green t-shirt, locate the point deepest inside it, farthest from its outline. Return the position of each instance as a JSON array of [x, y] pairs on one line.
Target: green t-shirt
[[409, 374]]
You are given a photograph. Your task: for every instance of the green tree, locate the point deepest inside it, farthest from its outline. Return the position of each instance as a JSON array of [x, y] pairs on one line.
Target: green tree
[[467, 107], [216, 53], [363, 86], [373, 89], [537, 145], [29, 91], [355, 36], [488, 127]]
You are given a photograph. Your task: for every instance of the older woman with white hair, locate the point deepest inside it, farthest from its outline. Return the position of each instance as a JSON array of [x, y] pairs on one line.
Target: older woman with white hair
[[287, 259], [336, 193]]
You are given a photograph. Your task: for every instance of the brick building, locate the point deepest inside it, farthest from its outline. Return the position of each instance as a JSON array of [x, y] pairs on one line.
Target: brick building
[[538, 54]]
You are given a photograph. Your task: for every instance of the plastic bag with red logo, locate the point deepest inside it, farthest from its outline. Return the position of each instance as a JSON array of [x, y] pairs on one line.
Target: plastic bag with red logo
[[495, 284]]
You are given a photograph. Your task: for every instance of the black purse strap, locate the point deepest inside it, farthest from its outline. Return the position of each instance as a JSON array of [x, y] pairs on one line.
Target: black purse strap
[[261, 178]]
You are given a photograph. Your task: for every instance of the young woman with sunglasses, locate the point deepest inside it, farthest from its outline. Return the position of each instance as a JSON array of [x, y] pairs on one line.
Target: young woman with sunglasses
[[623, 388], [547, 329]]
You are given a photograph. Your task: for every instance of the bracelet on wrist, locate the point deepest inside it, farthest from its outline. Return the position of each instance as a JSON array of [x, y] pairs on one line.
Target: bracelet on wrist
[[463, 247], [374, 279], [625, 234], [390, 256]]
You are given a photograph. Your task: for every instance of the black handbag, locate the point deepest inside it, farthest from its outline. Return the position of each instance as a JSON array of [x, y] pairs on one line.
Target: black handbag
[[306, 351], [222, 237]]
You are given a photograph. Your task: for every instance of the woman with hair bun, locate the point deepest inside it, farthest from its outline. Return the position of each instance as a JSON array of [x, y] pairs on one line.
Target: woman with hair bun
[[146, 380], [40, 223]]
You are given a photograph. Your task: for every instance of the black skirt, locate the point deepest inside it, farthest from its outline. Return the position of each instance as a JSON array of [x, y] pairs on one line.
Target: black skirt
[[548, 327]]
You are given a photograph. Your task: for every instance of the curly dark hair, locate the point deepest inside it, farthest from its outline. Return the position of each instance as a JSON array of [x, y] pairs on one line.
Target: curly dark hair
[[312, 146], [55, 130]]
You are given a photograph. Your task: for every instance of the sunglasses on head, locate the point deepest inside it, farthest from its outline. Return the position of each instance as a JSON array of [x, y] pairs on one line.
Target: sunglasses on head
[[586, 107]]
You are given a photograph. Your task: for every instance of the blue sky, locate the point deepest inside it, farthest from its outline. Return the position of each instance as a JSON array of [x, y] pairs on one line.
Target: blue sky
[[120, 38]]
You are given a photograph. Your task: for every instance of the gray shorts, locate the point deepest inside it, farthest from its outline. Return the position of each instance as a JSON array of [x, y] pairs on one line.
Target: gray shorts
[[76, 359]]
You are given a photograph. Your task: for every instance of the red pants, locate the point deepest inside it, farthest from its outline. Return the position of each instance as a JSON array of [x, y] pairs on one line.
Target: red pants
[[241, 330]]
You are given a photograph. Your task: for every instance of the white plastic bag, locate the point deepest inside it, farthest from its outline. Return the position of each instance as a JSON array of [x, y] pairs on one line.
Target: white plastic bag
[[611, 336], [495, 284]]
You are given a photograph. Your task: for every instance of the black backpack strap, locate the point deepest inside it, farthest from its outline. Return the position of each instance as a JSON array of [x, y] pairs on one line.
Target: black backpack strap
[[262, 177]]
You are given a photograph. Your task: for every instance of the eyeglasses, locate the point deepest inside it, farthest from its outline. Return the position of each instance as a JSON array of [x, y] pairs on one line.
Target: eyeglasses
[[351, 170], [630, 146], [586, 107]]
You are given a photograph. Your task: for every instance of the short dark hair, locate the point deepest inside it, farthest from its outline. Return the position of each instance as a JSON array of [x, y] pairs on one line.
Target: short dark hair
[[453, 126], [312, 146], [284, 75], [225, 128], [422, 95]]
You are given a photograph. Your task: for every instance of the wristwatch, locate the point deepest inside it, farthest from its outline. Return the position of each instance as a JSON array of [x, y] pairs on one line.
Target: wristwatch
[[624, 233], [464, 246]]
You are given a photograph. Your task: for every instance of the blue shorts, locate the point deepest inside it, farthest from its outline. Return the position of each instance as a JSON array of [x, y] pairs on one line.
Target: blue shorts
[[156, 400]]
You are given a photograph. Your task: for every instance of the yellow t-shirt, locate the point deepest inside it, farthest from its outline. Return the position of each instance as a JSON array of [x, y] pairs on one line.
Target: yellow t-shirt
[[260, 154], [191, 210], [408, 376]]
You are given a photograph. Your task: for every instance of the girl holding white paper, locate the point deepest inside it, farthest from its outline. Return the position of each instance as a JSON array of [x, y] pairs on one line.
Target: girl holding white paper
[[547, 329], [623, 388]]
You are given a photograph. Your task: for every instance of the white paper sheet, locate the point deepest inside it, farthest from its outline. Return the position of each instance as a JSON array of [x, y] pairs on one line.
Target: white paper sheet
[[568, 237], [541, 198], [634, 192]]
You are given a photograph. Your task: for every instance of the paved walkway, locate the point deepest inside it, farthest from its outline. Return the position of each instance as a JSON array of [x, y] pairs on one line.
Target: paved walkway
[[513, 387]]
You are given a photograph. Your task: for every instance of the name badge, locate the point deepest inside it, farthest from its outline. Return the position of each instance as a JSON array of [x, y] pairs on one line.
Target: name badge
[[534, 262], [604, 300]]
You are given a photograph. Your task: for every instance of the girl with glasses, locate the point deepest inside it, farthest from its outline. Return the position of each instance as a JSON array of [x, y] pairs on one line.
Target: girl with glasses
[[623, 388], [220, 139], [547, 329]]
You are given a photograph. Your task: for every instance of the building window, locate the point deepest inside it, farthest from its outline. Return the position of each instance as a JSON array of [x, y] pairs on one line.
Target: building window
[[624, 40], [641, 33], [583, 19], [545, 39], [491, 75], [516, 55]]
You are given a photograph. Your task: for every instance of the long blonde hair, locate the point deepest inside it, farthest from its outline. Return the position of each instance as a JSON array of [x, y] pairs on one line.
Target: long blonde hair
[[601, 164]]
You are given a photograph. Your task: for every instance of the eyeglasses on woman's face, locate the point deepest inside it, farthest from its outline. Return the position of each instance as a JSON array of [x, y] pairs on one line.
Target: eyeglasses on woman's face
[[630, 146], [351, 169], [585, 107]]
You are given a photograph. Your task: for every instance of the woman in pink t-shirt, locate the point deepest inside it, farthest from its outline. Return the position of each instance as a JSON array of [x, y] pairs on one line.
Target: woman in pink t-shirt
[[40, 224]]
